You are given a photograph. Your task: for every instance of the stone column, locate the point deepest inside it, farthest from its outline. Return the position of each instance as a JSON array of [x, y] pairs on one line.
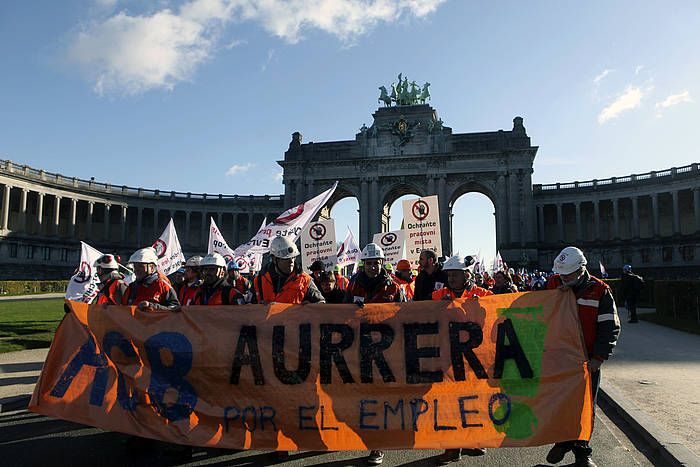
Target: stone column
[[56, 215], [251, 226], [431, 185], [23, 209], [73, 215], [616, 218], [596, 219], [444, 207], [108, 208], [155, 222], [236, 230], [655, 212], [88, 219], [696, 208], [6, 208], [635, 217], [188, 224], [139, 224], [513, 208], [579, 230], [676, 214], [501, 212], [560, 222], [540, 223], [364, 214], [203, 237], [310, 190], [374, 211], [124, 211], [39, 212]]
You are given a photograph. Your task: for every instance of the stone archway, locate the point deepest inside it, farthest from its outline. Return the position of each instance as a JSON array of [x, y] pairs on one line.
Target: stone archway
[[392, 192]]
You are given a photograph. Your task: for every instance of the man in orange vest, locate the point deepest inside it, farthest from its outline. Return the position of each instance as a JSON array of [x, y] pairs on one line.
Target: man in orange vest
[[373, 285], [460, 280], [235, 279], [460, 284], [214, 289], [600, 325], [150, 291], [340, 280], [192, 281], [404, 277], [280, 281], [112, 285]]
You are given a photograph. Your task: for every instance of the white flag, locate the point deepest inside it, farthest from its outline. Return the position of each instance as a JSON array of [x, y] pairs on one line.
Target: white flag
[[169, 251], [83, 285], [498, 263], [289, 224], [247, 262], [349, 252], [603, 272]]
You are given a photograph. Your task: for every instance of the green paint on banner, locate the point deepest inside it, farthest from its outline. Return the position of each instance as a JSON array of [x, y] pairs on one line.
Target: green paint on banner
[[521, 422]]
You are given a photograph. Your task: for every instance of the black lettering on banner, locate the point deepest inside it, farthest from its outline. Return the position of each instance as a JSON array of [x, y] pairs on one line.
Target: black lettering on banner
[[414, 375], [227, 418], [331, 352], [501, 399], [460, 350], [463, 412], [436, 425], [371, 351], [303, 418], [324, 427], [512, 350], [128, 399], [394, 410], [250, 410], [267, 413], [247, 339], [304, 366]]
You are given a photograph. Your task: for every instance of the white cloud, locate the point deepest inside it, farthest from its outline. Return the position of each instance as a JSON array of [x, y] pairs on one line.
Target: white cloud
[[628, 100], [278, 177], [602, 75], [270, 56], [674, 99], [638, 69], [131, 54], [235, 43], [236, 169]]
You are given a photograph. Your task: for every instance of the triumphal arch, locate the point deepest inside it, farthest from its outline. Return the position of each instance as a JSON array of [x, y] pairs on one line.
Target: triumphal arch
[[408, 149]]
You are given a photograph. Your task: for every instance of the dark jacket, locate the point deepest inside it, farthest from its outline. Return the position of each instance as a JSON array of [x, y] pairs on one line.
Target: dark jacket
[[380, 289], [335, 296], [631, 285], [425, 283]]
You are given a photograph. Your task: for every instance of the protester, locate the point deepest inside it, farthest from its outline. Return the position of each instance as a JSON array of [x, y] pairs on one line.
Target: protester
[[215, 290], [600, 325], [178, 279], [281, 281], [404, 277], [373, 285], [503, 283], [460, 281], [431, 276], [316, 268], [488, 281], [632, 285], [329, 288], [236, 280], [150, 291], [112, 285], [340, 280], [192, 281]]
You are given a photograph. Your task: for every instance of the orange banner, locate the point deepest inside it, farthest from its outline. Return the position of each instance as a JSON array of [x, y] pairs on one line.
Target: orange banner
[[505, 370]]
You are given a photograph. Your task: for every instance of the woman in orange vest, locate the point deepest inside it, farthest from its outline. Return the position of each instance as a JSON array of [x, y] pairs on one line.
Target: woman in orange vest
[[280, 281], [112, 285]]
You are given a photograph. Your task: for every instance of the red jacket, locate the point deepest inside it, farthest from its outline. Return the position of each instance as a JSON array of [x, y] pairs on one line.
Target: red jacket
[[112, 293], [475, 291], [155, 289], [218, 295], [293, 291]]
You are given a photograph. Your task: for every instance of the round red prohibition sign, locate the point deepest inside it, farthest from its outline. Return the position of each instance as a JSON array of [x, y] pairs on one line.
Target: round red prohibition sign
[[388, 239], [160, 248], [242, 263], [228, 258], [317, 231], [84, 273], [420, 210]]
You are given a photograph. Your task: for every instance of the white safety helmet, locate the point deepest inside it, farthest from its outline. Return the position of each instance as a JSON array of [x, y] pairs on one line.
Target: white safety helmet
[[144, 255], [372, 251], [106, 262], [570, 260], [193, 262], [283, 248], [213, 259], [456, 263]]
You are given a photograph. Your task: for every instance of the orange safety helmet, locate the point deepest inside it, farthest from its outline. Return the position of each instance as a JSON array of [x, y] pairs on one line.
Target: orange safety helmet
[[403, 265]]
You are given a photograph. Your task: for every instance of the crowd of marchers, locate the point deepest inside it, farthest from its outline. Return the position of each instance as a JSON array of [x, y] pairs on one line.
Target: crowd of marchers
[[209, 280]]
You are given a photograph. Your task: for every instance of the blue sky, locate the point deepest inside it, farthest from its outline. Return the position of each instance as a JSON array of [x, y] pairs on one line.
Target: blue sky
[[213, 89]]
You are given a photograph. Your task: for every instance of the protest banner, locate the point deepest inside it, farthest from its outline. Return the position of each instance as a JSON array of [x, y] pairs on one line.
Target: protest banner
[[248, 262], [318, 243], [394, 245], [504, 370], [288, 224], [348, 253], [83, 286], [169, 251], [422, 226]]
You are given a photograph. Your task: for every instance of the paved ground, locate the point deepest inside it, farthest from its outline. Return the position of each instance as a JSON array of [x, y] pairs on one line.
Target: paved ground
[[658, 369], [44, 296], [29, 439], [19, 371]]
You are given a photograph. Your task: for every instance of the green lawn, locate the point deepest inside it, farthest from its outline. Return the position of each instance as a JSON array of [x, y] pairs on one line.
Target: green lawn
[[29, 324]]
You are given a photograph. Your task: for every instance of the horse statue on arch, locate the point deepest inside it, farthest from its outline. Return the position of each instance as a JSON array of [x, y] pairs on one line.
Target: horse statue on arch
[[384, 96], [425, 94]]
